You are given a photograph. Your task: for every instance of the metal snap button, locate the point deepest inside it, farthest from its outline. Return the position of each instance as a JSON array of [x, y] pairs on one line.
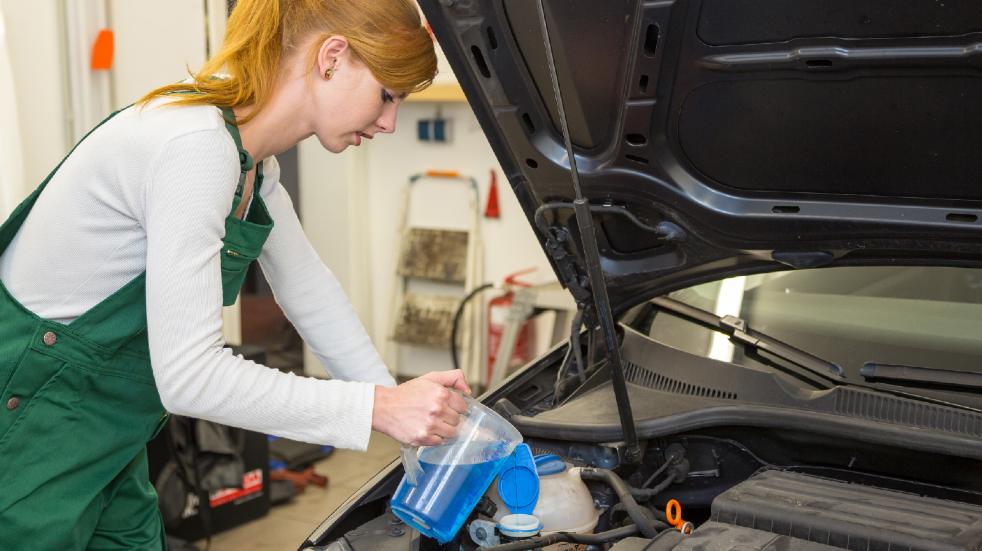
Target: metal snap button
[[13, 403], [50, 338]]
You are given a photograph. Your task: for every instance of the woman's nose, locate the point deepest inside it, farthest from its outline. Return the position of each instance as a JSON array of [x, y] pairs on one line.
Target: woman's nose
[[387, 122]]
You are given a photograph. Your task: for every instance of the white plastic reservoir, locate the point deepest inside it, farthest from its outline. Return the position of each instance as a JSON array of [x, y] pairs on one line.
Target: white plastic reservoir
[[565, 503]]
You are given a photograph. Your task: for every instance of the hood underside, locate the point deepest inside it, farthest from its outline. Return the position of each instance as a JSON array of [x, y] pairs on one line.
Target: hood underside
[[717, 137]]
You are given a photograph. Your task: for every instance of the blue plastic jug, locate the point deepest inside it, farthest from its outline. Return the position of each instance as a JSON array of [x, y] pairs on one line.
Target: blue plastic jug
[[453, 476]]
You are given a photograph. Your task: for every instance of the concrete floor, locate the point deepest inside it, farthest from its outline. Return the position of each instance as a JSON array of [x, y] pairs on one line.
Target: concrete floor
[[286, 526]]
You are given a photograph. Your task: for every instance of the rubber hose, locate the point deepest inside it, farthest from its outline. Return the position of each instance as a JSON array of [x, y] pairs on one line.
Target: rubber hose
[[623, 491], [456, 322], [658, 522], [561, 537]]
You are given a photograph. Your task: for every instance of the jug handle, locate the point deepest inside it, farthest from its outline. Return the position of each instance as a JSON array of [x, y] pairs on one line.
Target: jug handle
[[410, 463]]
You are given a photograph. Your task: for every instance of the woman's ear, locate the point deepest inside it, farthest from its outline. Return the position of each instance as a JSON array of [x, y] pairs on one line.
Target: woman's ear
[[331, 50]]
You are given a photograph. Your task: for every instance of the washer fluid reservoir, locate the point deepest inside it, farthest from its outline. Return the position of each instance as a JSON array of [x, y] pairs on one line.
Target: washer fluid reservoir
[[564, 504]]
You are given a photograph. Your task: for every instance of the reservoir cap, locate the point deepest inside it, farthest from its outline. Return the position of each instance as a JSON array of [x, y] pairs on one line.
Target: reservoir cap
[[518, 483], [519, 526]]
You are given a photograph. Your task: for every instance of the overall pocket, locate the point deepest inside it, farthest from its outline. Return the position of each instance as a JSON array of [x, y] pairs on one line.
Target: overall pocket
[[235, 266], [40, 397]]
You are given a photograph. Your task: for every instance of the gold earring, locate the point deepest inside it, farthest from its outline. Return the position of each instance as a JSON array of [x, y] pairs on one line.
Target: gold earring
[[329, 72]]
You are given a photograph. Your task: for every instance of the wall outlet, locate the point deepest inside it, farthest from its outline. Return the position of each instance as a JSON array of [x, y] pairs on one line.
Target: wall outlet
[[433, 130]]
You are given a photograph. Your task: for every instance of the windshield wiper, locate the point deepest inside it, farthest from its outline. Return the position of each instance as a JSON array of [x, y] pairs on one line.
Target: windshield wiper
[[918, 374], [740, 332]]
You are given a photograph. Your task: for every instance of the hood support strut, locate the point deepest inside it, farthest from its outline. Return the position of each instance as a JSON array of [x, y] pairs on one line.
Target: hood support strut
[[591, 253]]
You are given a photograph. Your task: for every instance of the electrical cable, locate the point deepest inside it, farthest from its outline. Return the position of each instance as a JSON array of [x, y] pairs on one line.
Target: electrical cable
[[674, 455], [573, 348], [574, 337], [646, 493], [562, 368], [456, 321], [657, 472]]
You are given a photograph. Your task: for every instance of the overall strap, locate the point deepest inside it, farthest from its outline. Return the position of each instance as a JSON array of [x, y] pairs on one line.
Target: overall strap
[[126, 308], [245, 159]]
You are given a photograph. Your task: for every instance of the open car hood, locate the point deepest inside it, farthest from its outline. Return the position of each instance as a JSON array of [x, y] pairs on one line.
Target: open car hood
[[717, 137]]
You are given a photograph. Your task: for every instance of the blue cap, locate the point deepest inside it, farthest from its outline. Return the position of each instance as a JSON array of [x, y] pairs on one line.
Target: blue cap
[[518, 483], [547, 464]]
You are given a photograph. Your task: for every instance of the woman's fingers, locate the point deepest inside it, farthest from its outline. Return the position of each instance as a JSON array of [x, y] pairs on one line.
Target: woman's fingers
[[424, 411], [445, 430], [441, 426], [450, 379], [450, 417], [457, 403], [440, 433]]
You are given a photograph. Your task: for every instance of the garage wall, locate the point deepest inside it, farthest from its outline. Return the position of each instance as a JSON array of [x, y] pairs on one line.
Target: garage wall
[[34, 41], [155, 46], [11, 158]]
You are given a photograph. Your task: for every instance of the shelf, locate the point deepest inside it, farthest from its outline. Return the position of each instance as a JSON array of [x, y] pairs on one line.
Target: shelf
[[439, 92]]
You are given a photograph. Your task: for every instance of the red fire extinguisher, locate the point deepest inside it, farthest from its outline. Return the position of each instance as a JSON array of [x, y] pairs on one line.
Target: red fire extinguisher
[[497, 318]]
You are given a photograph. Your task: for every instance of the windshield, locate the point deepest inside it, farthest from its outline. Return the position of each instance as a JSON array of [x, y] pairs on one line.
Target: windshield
[[925, 316]]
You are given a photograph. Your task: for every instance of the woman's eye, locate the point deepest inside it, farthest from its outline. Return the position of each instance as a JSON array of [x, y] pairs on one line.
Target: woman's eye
[[386, 96]]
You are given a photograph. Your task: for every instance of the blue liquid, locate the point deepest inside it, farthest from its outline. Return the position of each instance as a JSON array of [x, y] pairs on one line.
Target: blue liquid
[[444, 496]]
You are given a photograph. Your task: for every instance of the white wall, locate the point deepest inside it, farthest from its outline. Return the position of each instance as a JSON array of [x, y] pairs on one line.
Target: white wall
[[35, 44], [12, 184], [155, 46]]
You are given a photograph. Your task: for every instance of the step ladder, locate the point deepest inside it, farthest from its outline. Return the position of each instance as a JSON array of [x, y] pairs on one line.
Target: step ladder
[[440, 261]]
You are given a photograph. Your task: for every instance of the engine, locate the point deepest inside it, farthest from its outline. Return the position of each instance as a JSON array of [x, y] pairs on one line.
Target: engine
[[581, 506]]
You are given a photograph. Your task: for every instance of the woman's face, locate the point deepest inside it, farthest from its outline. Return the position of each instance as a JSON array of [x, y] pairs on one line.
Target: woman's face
[[351, 106]]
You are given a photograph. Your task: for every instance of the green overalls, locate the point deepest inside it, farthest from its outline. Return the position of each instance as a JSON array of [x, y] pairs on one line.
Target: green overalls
[[78, 403]]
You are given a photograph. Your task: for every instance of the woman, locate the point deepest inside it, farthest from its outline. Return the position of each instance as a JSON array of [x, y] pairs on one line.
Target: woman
[[115, 270]]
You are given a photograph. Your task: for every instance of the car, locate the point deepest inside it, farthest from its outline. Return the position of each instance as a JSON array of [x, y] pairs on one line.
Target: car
[[768, 214]]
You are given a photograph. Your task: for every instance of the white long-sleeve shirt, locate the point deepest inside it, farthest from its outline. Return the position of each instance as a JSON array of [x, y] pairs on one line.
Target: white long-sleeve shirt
[[149, 191]]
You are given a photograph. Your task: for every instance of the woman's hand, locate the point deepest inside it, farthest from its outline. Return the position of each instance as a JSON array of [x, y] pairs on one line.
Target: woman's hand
[[423, 411]]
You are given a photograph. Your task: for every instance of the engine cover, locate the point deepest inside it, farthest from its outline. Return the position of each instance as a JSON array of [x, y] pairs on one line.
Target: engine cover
[[848, 516], [713, 536]]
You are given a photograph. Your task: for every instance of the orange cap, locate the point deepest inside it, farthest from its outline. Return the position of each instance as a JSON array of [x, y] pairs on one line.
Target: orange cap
[[102, 51]]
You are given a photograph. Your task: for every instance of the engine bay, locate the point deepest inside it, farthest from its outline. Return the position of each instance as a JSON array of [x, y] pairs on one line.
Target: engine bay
[[772, 463], [733, 500]]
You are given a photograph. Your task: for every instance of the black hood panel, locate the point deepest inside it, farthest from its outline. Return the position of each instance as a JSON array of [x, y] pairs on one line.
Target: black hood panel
[[885, 141], [773, 133]]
